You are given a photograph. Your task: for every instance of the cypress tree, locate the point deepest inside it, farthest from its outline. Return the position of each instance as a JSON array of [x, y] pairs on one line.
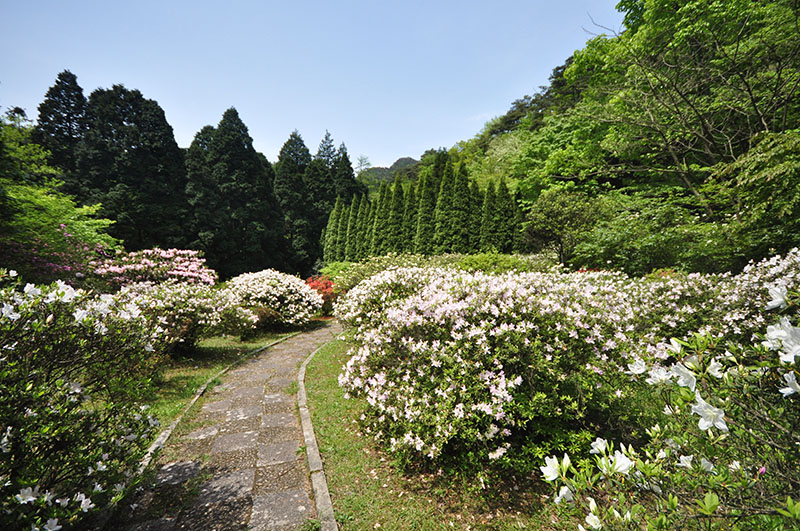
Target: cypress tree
[[423, 241], [488, 230], [461, 212], [409, 219], [380, 225], [330, 232], [292, 195], [362, 232], [395, 225], [504, 218], [519, 219], [439, 167], [344, 178], [341, 233], [318, 180], [443, 215], [367, 249], [350, 252], [476, 210], [62, 125]]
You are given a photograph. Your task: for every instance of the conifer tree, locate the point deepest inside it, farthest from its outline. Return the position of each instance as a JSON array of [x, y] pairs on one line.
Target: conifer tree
[[292, 195], [361, 244], [380, 225], [341, 233], [423, 241], [488, 229], [318, 180], [352, 230], [409, 219], [519, 219], [62, 125], [443, 215], [330, 232], [438, 170], [504, 218], [395, 225], [476, 210], [344, 178], [369, 230], [460, 224]]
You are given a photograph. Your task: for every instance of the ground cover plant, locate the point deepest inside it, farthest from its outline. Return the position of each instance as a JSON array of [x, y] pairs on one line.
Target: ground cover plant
[[481, 373]]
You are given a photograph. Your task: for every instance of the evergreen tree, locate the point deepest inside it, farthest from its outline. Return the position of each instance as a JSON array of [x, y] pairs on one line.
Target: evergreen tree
[[488, 229], [395, 225], [423, 240], [344, 178], [461, 212], [326, 153], [341, 233], [129, 162], [352, 230], [504, 218], [292, 195], [329, 246], [381, 221], [439, 166], [519, 219], [62, 125], [236, 218], [409, 219], [476, 210], [369, 230], [318, 179], [443, 215]]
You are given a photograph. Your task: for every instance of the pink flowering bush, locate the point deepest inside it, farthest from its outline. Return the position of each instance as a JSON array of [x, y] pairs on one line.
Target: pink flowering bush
[[156, 265], [185, 312], [73, 369], [275, 297]]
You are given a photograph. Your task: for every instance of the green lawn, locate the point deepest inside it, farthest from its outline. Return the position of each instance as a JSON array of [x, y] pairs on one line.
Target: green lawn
[[369, 492]]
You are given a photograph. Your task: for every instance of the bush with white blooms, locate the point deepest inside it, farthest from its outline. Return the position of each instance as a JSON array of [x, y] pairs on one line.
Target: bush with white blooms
[[275, 297]]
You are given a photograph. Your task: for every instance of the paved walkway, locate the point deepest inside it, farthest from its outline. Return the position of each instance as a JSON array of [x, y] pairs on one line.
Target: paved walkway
[[245, 468]]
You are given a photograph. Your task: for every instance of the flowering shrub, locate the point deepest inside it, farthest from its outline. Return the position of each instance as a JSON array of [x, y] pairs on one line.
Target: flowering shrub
[[186, 312], [156, 265], [324, 286], [498, 369], [275, 297], [72, 369]]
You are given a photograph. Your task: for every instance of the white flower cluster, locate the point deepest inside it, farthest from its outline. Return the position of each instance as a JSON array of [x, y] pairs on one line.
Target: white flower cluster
[[286, 297]]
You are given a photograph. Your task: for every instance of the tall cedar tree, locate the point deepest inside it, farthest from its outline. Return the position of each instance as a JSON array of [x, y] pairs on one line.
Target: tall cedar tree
[[62, 125], [369, 229], [504, 213], [461, 212], [290, 189], [329, 251], [344, 178], [476, 211], [320, 185], [488, 229], [352, 230], [341, 233], [380, 243], [423, 241], [129, 161], [237, 219], [443, 215], [362, 227], [395, 226], [439, 165], [409, 219]]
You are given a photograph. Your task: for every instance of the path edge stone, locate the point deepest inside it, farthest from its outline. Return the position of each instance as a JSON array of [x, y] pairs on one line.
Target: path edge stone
[[322, 496], [165, 434]]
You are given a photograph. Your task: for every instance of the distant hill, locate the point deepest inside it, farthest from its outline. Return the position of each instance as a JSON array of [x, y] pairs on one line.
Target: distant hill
[[405, 168]]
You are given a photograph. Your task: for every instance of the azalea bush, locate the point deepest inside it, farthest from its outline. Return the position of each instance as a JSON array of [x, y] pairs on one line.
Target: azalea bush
[[276, 298], [73, 369], [155, 265], [324, 286], [185, 312]]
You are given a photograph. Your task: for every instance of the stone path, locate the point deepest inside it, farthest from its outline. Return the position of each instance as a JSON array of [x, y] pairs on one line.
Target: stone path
[[245, 467]]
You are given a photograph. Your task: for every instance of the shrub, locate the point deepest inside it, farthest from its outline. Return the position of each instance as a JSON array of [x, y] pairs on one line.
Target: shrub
[[324, 286], [156, 265], [72, 371], [277, 298], [503, 263]]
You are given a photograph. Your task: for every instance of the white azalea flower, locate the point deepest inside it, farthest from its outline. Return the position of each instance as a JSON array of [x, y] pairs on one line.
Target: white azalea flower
[[637, 367], [564, 495], [27, 495], [31, 291], [685, 461], [778, 294], [706, 465], [734, 466], [658, 375], [686, 378], [52, 525], [709, 415], [9, 312], [792, 386], [715, 369], [599, 446], [593, 521], [550, 470]]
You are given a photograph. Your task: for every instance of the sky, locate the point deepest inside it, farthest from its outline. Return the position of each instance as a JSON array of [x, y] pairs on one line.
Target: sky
[[390, 79]]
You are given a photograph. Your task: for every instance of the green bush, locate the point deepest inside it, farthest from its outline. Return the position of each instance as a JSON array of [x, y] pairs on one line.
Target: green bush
[[503, 263]]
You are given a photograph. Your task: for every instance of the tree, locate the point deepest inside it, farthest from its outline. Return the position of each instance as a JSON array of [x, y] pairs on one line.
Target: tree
[[488, 228], [329, 246], [504, 218], [362, 229], [352, 230], [341, 234], [344, 179], [476, 211], [237, 218], [290, 189], [423, 240], [395, 225], [443, 214], [129, 161], [409, 219], [380, 234], [461, 212], [62, 121]]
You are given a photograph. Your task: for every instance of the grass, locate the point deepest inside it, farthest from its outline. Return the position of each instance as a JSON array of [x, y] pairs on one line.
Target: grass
[[184, 375], [369, 491]]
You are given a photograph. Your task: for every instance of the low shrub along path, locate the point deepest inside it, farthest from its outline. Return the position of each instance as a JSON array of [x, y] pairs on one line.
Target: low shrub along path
[[238, 461]]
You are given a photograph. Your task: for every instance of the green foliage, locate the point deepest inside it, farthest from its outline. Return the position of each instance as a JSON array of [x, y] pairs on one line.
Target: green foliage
[[62, 123], [503, 263]]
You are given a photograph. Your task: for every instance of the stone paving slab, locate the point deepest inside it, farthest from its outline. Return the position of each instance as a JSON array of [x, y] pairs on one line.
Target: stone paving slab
[[248, 450]]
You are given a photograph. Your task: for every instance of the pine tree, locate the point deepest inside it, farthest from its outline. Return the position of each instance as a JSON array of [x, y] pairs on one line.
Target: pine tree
[[331, 228], [62, 125], [344, 178], [292, 196], [380, 225], [318, 180], [438, 171], [443, 215], [236, 218], [504, 218], [352, 230], [129, 162], [423, 240], [476, 210], [488, 229], [395, 225], [367, 249], [409, 219], [341, 233], [362, 241], [461, 212]]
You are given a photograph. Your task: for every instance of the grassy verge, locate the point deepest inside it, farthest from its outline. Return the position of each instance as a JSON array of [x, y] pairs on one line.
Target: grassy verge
[[369, 492], [183, 376]]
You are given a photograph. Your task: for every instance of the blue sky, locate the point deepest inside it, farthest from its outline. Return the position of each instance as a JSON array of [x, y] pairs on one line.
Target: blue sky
[[387, 78]]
